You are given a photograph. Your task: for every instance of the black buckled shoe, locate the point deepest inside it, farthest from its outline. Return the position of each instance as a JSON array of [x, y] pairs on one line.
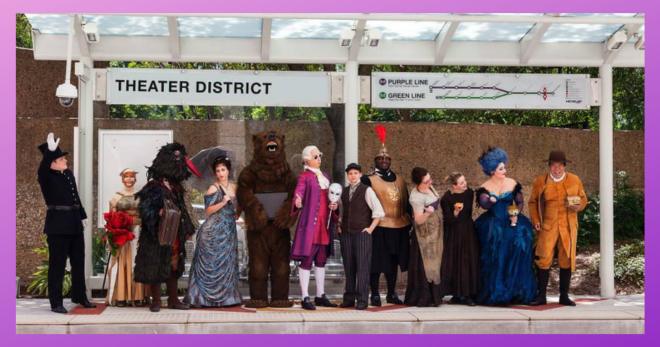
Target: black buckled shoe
[[393, 299], [375, 300], [323, 301], [59, 309], [307, 304]]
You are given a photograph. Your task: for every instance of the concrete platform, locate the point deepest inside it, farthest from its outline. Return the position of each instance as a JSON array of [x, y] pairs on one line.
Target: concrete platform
[[623, 315]]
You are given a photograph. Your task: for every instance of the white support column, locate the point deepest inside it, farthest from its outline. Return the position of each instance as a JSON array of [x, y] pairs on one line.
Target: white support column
[[606, 150], [86, 148], [351, 99]]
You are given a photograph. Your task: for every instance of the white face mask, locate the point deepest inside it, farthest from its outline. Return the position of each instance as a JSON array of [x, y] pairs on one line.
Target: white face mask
[[334, 192]]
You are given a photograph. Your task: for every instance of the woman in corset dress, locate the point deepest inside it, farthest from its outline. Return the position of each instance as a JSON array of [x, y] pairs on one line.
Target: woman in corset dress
[[122, 290], [213, 280], [505, 235]]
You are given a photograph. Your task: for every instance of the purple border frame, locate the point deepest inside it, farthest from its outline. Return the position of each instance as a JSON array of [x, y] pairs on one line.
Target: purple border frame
[[8, 137]]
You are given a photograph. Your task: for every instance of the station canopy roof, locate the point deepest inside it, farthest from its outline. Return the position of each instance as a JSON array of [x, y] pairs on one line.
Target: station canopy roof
[[501, 39]]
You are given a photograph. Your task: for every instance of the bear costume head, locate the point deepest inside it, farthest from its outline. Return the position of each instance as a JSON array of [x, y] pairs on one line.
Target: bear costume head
[[268, 148]]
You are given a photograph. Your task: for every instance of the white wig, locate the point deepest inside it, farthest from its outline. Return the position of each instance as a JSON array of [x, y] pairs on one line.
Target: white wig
[[307, 153]]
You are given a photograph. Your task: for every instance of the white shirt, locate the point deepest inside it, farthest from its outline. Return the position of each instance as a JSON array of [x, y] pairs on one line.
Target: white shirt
[[372, 201], [557, 180]]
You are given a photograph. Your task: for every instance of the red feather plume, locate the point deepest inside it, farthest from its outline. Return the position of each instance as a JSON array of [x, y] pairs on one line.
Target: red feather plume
[[381, 132]]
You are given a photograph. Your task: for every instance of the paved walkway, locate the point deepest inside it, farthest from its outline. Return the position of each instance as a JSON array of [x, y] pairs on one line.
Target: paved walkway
[[623, 315]]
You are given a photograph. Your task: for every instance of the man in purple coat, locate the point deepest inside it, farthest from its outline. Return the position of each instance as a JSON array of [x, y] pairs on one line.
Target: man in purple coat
[[312, 242]]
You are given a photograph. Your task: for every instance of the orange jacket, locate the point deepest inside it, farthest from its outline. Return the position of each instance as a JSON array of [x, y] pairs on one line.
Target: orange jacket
[[545, 210]]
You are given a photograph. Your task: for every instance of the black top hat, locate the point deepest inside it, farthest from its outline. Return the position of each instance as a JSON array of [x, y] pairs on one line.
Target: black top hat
[[51, 155], [557, 157], [353, 166]]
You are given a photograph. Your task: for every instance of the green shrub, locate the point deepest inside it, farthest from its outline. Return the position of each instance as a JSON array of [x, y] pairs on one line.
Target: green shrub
[[39, 283], [628, 214], [628, 264]]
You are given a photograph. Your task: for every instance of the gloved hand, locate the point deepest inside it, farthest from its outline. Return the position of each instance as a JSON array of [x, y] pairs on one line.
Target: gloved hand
[[52, 143]]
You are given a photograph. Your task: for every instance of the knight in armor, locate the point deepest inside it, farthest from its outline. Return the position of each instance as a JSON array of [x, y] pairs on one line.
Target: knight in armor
[[391, 238]]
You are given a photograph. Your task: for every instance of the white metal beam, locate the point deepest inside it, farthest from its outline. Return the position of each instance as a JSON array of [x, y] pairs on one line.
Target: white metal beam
[[531, 41], [319, 51], [606, 182], [266, 28], [173, 38], [83, 45], [357, 40], [438, 17], [443, 40]]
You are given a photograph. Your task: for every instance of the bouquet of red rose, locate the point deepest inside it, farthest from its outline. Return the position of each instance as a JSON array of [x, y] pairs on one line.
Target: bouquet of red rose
[[118, 229]]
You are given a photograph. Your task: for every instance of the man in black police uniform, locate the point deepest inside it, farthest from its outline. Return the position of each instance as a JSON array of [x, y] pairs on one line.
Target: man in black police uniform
[[63, 226]]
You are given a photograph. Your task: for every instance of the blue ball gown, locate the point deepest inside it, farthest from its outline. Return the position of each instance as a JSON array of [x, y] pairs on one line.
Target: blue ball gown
[[507, 253]]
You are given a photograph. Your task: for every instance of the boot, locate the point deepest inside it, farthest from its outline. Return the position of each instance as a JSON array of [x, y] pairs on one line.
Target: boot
[[172, 297], [155, 298], [392, 298], [542, 282], [564, 283]]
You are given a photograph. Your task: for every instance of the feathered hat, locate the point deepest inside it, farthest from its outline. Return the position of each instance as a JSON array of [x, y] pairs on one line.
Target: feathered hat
[[381, 132]]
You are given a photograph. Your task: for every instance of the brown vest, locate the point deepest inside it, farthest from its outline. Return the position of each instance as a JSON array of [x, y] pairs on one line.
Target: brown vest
[[394, 197], [356, 213]]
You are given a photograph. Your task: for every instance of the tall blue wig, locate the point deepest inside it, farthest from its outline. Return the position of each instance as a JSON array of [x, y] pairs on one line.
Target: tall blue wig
[[491, 158]]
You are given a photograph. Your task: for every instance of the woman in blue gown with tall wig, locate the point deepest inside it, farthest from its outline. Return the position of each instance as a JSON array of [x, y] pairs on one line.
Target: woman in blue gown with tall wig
[[505, 235]]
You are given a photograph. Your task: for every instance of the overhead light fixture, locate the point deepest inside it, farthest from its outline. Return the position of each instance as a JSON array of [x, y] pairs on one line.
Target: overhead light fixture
[[639, 44], [346, 37], [373, 37], [617, 40], [91, 31]]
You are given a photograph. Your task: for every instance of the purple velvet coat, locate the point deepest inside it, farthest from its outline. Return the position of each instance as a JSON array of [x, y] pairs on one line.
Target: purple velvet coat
[[309, 190]]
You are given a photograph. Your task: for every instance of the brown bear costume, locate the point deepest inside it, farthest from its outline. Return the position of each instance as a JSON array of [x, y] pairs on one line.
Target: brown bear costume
[[268, 240]]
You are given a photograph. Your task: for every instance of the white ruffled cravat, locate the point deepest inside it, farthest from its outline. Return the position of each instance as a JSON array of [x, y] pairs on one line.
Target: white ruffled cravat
[[323, 181]]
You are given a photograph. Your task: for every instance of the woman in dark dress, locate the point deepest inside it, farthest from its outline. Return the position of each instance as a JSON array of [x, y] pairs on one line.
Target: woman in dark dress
[[460, 259], [426, 243]]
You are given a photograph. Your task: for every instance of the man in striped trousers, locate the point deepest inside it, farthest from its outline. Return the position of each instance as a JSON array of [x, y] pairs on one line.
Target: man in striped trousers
[[361, 212]]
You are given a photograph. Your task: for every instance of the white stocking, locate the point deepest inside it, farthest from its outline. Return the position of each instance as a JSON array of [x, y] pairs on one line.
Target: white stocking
[[304, 281], [319, 276]]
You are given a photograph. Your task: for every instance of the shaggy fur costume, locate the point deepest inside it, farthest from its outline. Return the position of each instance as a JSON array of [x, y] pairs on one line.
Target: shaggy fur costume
[[269, 241]]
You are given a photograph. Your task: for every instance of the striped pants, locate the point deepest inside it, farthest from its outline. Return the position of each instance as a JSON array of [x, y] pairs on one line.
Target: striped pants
[[356, 255]]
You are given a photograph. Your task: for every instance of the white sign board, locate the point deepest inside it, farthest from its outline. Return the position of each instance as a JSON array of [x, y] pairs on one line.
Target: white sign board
[[120, 149], [218, 87], [480, 91]]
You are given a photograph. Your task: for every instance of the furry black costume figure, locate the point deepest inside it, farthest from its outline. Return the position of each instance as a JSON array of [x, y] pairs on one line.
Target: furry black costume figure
[[154, 263], [269, 240]]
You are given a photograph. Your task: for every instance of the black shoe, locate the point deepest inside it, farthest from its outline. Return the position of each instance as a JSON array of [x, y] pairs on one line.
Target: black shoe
[[84, 303], [59, 309], [375, 300], [565, 300], [468, 301], [307, 304], [393, 299], [347, 304], [121, 304], [323, 301], [362, 305], [455, 300]]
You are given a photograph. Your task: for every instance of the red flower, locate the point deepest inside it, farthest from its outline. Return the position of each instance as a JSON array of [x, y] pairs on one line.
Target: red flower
[[118, 229]]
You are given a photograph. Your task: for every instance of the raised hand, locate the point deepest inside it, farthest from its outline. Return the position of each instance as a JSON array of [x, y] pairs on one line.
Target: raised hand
[[52, 143]]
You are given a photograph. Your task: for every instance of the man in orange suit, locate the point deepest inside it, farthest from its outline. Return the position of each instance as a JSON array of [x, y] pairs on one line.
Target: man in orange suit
[[556, 199]]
